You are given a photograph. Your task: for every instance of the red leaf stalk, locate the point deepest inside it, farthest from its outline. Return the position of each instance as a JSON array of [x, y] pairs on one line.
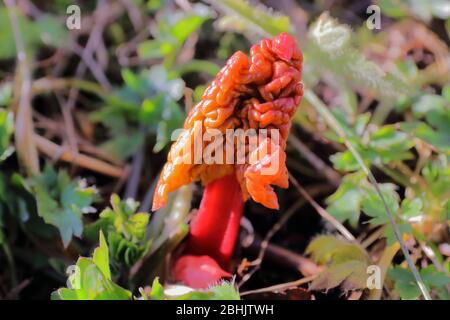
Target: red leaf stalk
[[216, 225]]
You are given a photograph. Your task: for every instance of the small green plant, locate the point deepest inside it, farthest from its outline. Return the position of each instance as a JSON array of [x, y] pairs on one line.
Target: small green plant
[[125, 230], [62, 202], [90, 279]]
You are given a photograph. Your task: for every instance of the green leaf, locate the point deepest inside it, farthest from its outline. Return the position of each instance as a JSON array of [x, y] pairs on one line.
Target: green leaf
[[344, 161], [184, 27], [125, 251], [423, 131], [225, 291], [381, 147], [433, 277], [167, 228], [157, 292], [426, 103], [393, 8], [435, 110], [125, 229], [6, 131], [101, 257], [391, 144], [51, 31], [323, 248], [349, 275], [145, 105], [153, 49], [346, 263], [257, 18], [374, 207], [424, 10], [345, 203], [123, 146], [222, 291], [411, 208], [174, 27], [355, 193], [91, 279], [47, 30], [5, 94], [405, 283], [61, 202], [407, 287], [404, 227]]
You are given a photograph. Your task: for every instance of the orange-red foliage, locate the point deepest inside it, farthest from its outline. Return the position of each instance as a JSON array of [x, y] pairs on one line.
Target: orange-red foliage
[[262, 91]]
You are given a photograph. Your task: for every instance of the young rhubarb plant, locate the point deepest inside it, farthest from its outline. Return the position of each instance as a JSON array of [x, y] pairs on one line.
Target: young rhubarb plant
[[260, 92]]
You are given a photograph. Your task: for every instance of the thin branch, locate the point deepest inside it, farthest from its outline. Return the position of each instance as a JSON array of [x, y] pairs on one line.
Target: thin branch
[[287, 258], [14, 293], [51, 149], [93, 65], [45, 85], [321, 211], [69, 124], [315, 161], [24, 130], [132, 185], [374, 236], [281, 286], [86, 55]]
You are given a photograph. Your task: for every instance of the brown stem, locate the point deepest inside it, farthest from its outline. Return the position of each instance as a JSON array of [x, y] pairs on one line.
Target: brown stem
[[51, 149]]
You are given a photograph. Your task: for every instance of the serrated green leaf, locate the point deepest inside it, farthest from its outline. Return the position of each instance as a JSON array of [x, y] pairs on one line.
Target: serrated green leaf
[[374, 207], [225, 291], [346, 263], [433, 277], [61, 202], [145, 106], [125, 230], [404, 227], [407, 287], [344, 161], [350, 275], [347, 205], [411, 208]]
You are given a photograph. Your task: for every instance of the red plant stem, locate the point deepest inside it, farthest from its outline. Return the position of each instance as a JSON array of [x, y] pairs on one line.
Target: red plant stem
[[215, 228]]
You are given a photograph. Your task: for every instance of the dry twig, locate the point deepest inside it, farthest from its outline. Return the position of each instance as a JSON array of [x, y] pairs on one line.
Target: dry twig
[[51, 149]]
